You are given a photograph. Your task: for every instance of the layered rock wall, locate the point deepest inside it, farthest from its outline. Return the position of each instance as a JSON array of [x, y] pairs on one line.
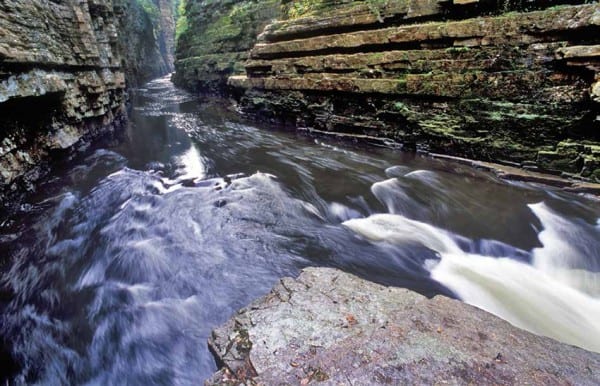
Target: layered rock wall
[[218, 39], [63, 78], [506, 81], [60, 80], [516, 84]]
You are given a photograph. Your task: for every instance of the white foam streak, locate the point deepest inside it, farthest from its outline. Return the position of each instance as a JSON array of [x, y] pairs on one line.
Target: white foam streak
[[567, 250], [398, 229], [555, 296], [523, 295]]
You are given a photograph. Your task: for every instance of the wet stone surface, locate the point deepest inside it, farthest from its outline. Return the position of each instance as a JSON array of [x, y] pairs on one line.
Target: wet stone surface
[[332, 327]]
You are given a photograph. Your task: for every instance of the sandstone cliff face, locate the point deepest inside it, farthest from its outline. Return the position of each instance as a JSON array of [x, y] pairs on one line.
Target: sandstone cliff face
[[502, 81], [63, 78], [166, 34], [218, 39]]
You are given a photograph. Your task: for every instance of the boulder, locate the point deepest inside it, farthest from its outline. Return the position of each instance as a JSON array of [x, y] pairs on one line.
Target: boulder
[[334, 328]]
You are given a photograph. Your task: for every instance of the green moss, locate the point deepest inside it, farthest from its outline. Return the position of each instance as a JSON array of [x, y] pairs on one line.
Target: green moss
[[181, 23], [294, 9], [151, 9], [457, 50], [399, 106], [211, 27], [376, 6], [376, 57]]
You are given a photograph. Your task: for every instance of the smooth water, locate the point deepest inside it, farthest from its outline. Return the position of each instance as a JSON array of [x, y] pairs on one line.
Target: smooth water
[[116, 272]]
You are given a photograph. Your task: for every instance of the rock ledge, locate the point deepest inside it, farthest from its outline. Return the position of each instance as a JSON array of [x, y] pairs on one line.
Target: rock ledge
[[331, 327]]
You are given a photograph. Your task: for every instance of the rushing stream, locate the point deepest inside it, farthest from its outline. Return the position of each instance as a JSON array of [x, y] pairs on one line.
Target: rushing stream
[[118, 269]]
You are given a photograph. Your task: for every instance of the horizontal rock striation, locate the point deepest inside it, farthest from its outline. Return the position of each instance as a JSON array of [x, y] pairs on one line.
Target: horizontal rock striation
[[63, 78], [330, 327], [218, 39], [60, 81], [499, 81]]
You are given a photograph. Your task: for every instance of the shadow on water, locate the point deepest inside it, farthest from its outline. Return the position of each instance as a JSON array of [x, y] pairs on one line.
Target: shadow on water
[[118, 270]]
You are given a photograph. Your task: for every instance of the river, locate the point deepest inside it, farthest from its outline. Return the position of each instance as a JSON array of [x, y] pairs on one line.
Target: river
[[116, 271]]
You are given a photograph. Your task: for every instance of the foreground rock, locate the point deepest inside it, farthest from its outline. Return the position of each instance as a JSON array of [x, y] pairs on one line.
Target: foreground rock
[[329, 326]]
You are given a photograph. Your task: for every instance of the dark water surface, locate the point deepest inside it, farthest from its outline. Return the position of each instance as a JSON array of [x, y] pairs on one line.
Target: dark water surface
[[116, 272]]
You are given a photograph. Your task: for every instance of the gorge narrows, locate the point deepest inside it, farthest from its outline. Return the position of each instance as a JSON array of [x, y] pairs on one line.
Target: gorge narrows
[[269, 192], [128, 256]]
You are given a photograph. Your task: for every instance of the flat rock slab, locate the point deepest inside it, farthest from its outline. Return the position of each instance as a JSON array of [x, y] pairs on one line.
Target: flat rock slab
[[331, 327]]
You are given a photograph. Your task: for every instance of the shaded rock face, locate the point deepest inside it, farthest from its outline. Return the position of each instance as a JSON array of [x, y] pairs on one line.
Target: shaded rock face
[[329, 326], [498, 81], [63, 78], [218, 39], [61, 81], [166, 35], [146, 41]]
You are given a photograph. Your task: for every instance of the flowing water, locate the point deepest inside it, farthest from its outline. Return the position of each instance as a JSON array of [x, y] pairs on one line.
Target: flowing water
[[118, 269]]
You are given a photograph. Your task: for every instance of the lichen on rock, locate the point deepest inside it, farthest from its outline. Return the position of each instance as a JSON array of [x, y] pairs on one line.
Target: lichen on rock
[[330, 326]]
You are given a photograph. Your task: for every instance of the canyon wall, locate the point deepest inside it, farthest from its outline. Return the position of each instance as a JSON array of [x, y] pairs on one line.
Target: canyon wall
[[507, 81], [63, 78], [218, 39], [166, 34], [143, 39], [146, 39]]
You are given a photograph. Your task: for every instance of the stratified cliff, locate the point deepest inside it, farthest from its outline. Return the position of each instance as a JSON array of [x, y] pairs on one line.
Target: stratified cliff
[[218, 39], [146, 39], [61, 81], [514, 81], [63, 77]]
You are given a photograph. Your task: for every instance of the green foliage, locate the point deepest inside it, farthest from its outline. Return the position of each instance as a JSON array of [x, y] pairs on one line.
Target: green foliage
[[299, 8], [176, 4], [181, 20], [151, 10]]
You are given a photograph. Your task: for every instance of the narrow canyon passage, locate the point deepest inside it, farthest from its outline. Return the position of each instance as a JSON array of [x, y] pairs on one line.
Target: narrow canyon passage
[[127, 257]]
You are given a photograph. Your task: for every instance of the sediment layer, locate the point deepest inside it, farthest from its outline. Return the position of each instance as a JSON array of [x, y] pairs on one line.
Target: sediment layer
[[497, 81], [518, 86]]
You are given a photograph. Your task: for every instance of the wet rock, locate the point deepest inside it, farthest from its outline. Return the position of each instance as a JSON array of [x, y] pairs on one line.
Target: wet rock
[[217, 40], [62, 82], [63, 69], [329, 326], [146, 39], [485, 80], [596, 91]]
